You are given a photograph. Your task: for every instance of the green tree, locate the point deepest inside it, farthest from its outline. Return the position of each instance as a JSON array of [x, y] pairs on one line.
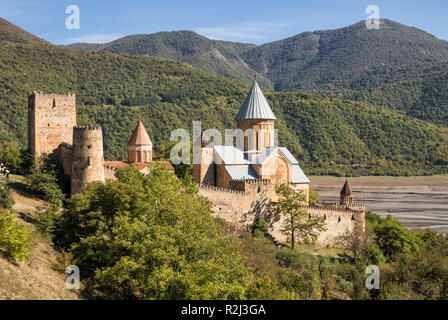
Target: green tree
[[393, 238], [148, 237], [298, 224], [15, 239], [43, 181], [6, 201], [314, 197]]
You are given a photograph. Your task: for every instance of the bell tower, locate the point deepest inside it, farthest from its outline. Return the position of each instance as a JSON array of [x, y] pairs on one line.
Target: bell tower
[[256, 120], [346, 198], [139, 146]]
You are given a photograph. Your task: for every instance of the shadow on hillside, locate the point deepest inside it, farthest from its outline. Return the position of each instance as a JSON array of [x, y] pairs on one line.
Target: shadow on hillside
[[22, 189]]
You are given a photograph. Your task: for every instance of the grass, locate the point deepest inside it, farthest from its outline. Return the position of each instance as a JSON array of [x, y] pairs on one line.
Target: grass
[[42, 277]]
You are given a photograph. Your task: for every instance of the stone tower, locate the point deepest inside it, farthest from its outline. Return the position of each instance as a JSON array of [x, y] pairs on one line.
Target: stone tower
[[87, 157], [256, 115], [51, 118], [139, 146], [204, 172], [346, 198]]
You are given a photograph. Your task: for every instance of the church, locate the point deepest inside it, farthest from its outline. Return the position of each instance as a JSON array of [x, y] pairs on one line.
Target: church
[[256, 157]]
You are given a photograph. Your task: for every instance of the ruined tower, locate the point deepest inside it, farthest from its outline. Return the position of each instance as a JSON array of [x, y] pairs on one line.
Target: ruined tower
[[51, 118], [139, 146], [87, 157], [346, 198]]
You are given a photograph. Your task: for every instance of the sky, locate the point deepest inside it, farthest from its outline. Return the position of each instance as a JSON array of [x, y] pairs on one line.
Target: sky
[[243, 20]]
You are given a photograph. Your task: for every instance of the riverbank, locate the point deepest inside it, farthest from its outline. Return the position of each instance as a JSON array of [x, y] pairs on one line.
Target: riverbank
[[418, 202]]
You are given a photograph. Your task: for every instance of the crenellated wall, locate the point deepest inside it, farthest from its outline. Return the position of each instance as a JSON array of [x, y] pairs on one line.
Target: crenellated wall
[[251, 201], [109, 172]]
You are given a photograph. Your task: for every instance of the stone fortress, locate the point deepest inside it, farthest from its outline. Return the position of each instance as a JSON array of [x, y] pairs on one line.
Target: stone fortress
[[52, 130], [239, 181]]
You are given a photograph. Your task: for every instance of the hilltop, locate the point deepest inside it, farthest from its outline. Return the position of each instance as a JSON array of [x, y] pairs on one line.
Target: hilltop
[[215, 57], [327, 135], [10, 33], [373, 66]]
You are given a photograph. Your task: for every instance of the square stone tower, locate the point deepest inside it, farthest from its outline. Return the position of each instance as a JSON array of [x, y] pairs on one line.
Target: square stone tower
[[51, 119]]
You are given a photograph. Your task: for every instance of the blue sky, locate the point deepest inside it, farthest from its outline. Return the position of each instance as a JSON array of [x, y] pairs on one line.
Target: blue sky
[[244, 20]]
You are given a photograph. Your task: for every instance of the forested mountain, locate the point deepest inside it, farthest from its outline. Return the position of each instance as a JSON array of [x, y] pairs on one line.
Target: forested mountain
[[213, 56], [397, 66], [328, 135]]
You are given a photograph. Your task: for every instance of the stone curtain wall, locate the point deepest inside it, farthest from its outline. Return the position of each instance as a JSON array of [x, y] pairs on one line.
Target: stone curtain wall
[[241, 209]]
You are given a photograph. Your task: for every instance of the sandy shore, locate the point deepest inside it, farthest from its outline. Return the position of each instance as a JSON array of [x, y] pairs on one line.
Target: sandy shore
[[418, 202]]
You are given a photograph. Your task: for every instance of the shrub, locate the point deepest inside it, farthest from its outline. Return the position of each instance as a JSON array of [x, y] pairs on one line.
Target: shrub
[[44, 182], [6, 201], [47, 220], [15, 239]]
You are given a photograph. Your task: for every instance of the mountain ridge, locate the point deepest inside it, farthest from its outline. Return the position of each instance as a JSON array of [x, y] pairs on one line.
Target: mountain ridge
[[327, 135], [350, 62]]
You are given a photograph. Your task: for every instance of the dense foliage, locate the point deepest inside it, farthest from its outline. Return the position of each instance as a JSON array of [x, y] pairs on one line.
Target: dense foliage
[[397, 66], [151, 238], [15, 239], [43, 181], [329, 136], [6, 201], [216, 57]]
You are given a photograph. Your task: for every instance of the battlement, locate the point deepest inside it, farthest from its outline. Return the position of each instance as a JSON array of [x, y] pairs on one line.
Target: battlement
[[254, 181], [79, 128], [338, 209], [52, 95], [356, 206], [213, 188]]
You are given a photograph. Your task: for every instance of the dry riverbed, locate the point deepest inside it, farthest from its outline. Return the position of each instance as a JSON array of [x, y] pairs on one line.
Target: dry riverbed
[[418, 202]]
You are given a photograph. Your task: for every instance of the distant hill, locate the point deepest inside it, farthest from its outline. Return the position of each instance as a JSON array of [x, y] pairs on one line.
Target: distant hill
[[10, 33], [213, 56], [384, 67], [327, 135]]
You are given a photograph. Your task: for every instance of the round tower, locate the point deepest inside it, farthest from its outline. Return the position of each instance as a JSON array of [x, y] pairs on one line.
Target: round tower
[[87, 157]]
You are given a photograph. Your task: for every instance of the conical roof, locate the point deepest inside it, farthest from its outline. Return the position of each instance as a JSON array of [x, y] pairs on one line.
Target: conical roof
[[139, 136], [346, 189], [255, 106]]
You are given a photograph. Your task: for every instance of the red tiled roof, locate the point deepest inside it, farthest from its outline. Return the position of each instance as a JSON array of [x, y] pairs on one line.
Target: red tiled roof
[[139, 136]]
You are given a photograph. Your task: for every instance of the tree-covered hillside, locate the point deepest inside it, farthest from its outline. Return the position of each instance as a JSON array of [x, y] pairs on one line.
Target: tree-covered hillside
[[397, 66], [213, 56], [327, 135]]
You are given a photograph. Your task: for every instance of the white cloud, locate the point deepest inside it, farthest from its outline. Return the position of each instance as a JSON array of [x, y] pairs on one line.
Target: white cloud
[[248, 31], [94, 38]]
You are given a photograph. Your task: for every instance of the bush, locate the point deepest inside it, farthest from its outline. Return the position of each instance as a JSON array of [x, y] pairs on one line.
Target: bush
[[48, 220], [15, 239], [6, 201], [44, 182], [259, 228], [393, 238], [145, 236]]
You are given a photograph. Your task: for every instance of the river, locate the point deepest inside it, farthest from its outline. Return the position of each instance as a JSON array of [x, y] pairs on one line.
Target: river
[[417, 202]]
